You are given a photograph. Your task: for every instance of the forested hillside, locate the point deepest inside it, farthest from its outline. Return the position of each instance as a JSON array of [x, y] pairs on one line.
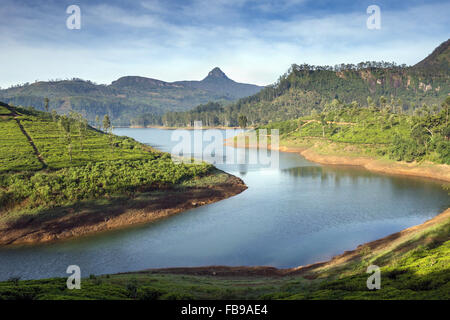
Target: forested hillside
[[371, 131], [126, 97], [304, 89]]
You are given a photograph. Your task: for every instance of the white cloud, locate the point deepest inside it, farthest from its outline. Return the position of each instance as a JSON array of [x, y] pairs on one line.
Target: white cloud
[[103, 14], [153, 42]]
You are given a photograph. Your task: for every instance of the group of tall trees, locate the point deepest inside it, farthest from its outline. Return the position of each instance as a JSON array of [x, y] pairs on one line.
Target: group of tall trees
[[422, 134], [72, 125], [429, 133], [75, 125]]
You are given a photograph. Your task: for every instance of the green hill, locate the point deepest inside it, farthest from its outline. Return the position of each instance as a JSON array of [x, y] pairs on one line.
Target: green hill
[[33, 140], [128, 96], [305, 88], [58, 174]]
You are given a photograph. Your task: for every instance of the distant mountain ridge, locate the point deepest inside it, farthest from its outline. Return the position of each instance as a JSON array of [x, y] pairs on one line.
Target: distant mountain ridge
[[218, 82], [128, 96]]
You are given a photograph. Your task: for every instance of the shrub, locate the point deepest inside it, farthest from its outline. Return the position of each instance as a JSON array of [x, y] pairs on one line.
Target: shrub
[[149, 293], [132, 289]]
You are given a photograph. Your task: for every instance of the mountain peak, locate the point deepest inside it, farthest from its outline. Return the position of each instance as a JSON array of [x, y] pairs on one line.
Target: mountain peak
[[440, 57], [216, 73]]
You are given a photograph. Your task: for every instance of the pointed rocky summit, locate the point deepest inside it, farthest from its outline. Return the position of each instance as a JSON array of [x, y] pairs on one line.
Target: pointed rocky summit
[[215, 74]]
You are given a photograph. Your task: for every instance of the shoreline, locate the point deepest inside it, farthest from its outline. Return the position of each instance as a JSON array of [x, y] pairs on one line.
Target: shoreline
[[432, 171], [91, 219], [439, 172], [309, 271]]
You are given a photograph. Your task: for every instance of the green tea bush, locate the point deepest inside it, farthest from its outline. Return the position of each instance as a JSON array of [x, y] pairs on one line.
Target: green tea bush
[[148, 293]]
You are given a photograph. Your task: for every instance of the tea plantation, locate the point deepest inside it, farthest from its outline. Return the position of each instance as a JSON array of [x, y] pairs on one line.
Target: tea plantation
[[43, 166]]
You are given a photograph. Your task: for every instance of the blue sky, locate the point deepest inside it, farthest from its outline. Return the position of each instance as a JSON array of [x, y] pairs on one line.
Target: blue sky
[[253, 41]]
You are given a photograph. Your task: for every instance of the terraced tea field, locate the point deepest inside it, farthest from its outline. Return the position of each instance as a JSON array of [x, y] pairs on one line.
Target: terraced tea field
[[43, 166], [16, 152], [93, 146], [4, 111]]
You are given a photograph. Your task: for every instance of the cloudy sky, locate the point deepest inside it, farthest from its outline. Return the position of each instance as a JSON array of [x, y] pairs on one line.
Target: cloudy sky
[[252, 41]]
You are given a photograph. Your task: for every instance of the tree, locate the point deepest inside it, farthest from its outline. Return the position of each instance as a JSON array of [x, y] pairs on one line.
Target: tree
[[46, 101], [106, 123], [108, 128], [242, 121], [97, 122], [82, 126], [65, 123], [445, 106], [383, 102], [54, 115], [421, 134], [323, 122], [370, 101]]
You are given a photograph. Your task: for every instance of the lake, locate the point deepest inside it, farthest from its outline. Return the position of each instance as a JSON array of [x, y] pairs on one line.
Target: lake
[[295, 214]]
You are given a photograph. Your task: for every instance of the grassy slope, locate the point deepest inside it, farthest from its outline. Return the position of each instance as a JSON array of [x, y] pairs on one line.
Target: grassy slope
[[15, 150], [416, 267], [4, 111], [103, 167], [94, 146]]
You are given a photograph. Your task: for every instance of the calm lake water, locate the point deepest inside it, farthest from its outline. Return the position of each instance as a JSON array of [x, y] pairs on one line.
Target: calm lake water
[[292, 215]]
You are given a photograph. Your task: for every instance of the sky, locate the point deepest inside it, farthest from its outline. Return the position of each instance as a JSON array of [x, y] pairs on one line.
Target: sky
[[252, 41]]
